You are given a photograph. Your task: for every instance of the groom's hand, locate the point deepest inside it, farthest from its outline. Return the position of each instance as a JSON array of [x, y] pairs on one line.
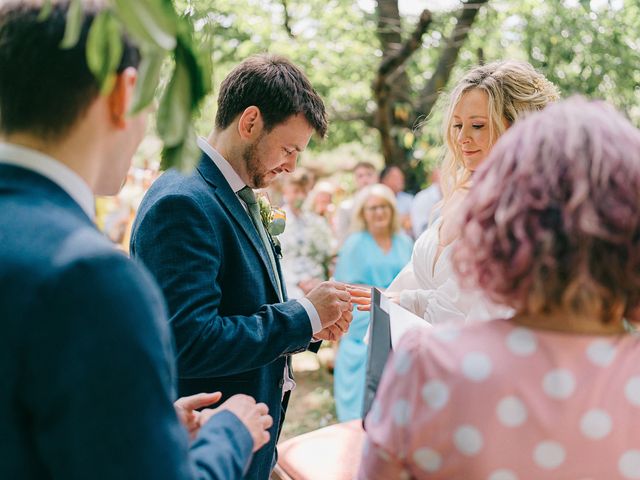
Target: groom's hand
[[335, 331], [331, 300]]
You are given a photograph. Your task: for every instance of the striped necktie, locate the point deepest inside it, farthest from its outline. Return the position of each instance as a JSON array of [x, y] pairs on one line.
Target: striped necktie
[[248, 197]]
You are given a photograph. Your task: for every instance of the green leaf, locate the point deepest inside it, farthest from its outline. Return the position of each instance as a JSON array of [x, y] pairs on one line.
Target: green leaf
[[163, 16], [149, 22], [148, 79], [73, 27], [45, 11], [104, 49], [184, 156], [174, 113]]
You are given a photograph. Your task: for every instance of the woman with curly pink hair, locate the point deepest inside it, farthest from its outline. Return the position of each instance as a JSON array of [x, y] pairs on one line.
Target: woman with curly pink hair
[[552, 229]]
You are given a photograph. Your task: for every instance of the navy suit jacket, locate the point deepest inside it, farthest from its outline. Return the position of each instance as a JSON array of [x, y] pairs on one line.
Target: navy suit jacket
[[86, 358], [232, 333]]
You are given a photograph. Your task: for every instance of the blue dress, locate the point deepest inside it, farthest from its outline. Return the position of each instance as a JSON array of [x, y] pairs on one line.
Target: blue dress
[[362, 261]]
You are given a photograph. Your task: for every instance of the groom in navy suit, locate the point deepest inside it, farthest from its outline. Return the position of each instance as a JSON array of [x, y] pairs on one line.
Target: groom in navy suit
[[203, 238], [86, 358]]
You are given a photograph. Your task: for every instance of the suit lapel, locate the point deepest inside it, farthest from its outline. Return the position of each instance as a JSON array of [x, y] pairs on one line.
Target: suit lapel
[[230, 202]]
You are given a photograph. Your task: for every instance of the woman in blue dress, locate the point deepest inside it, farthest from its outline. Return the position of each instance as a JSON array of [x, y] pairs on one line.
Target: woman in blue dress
[[373, 255]]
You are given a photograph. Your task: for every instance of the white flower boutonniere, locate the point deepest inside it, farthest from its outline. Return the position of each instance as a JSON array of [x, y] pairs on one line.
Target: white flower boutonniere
[[274, 221]]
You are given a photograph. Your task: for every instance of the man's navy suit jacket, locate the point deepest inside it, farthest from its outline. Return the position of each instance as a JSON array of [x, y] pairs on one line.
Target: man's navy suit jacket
[[86, 359], [232, 333]]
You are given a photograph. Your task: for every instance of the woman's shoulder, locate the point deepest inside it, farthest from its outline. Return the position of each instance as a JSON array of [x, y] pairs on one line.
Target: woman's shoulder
[[355, 239], [445, 347]]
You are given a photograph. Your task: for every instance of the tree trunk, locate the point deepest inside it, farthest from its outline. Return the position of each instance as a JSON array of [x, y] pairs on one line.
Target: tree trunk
[[392, 85], [396, 110]]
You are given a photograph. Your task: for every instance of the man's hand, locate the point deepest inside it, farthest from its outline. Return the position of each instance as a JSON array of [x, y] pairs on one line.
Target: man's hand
[[255, 417], [189, 416], [331, 300], [309, 284], [335, 331]]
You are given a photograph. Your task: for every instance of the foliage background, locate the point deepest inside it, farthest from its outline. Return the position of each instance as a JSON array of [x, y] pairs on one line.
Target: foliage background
[[590, 47]]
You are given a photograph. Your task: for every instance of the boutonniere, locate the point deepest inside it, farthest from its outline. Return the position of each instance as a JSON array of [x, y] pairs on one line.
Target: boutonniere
[[274, 221]]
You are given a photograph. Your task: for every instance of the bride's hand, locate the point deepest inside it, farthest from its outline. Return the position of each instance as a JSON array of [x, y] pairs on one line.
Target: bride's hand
[[392, 296]]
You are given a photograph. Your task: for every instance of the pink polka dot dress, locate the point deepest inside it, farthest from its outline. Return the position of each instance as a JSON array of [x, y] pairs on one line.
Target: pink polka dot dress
[[495, 401]]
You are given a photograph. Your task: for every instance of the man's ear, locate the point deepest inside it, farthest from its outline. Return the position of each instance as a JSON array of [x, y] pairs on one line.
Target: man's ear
[[250, 123], [120, 98]]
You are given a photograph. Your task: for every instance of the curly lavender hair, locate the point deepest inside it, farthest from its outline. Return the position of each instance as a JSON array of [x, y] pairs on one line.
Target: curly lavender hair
[[553, 218]]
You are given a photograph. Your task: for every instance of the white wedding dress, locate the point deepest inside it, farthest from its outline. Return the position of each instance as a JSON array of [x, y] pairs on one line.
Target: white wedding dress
[[429, 288]]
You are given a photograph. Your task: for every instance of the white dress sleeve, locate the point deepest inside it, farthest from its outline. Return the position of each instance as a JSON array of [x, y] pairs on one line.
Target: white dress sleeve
[[450, 304], [433, 292]]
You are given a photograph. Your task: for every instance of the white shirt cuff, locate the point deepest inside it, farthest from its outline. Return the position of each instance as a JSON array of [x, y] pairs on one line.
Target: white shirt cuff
[[314, 318]]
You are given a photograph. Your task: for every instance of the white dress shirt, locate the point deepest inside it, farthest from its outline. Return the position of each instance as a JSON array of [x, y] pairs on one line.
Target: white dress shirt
[[52, 169]]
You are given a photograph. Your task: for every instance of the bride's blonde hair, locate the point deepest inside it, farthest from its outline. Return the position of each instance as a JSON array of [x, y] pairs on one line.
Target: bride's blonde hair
[[513, 89]]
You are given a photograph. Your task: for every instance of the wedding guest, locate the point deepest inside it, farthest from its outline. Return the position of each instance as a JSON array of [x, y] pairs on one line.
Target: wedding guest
[[306, 240], [552, 229], [425, 207], [372, 256], [86, 356], [393, 177], [482, 106], [320, 200], [364, 174]]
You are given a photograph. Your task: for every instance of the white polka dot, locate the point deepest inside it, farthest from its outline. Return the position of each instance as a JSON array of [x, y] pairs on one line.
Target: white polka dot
[[632, 390], [401, 412], [522, 342], [468, 440], [559, 383], [375, 414], [427, 459], [549, 455], [511, 411], [436, 394], [446, 334], [601, 353], [402, 362], [383, 454], [476, 366], [404, 475], [502, 474], [596, 424], [629, 464]]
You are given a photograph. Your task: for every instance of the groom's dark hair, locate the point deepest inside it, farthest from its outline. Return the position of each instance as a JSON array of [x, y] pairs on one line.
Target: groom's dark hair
[[44, 89], [274, 85]]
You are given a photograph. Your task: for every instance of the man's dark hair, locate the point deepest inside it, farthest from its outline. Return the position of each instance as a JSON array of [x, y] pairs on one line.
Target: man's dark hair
[[274, 85], [387, 170], [45, 89]]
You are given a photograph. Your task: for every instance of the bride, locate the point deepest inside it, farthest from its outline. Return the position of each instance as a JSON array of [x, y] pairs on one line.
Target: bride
[[486, 102]]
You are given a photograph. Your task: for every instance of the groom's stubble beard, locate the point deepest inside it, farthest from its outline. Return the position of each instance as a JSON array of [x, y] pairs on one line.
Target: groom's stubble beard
[[254, 168]]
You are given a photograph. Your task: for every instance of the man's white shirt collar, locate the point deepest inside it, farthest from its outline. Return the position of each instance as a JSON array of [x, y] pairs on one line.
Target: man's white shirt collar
[[230, 175], [57, 172]]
